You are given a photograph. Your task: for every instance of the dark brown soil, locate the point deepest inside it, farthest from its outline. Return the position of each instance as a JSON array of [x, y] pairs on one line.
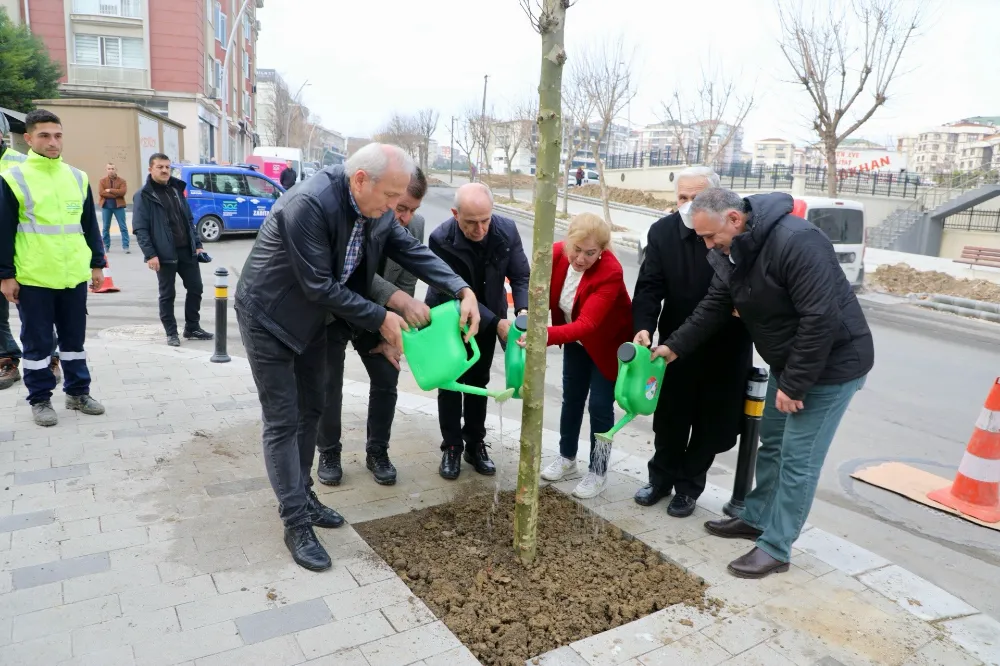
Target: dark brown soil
[[588, 577]]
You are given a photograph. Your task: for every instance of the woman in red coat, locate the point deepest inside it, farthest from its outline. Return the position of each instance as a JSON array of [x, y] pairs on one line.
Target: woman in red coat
[[591, 318]]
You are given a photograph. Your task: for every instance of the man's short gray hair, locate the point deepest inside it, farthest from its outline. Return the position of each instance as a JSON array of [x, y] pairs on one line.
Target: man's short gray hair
[[376, 158], [699, 172], [458, 192], [717, 200]]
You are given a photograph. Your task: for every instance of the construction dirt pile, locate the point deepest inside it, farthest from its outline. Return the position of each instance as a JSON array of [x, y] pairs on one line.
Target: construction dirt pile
[[588, 576], [525, 206], [435, 182], [498, 182], [625, 196], [901, 279]]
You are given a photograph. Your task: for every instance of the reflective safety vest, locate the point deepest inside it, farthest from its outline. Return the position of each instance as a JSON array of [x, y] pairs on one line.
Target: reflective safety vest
[[11, 158], [50, 249]]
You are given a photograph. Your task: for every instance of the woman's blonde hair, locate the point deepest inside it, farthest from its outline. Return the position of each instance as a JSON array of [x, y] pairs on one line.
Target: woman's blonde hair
[[588, 225]]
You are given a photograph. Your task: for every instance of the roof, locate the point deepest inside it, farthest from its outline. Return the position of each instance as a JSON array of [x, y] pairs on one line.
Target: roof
[[769, 140]]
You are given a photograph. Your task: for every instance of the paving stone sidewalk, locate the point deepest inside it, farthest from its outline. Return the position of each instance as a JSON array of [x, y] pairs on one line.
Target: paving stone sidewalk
[[149, 536]]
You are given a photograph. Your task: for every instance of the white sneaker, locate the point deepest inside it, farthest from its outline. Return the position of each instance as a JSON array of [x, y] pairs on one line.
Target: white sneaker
[[590, 486], [559, 468]]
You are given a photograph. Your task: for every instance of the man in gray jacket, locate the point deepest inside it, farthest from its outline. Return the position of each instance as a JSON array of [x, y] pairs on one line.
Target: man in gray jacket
[[392, 287]]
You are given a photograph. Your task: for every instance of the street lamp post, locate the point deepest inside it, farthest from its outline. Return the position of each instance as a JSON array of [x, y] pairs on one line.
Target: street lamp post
[[225, 76]]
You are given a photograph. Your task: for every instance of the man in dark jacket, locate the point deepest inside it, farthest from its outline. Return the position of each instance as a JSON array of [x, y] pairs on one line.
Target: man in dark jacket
[[782, 276], [392, 287], [701, 402], [315, 256], [288, 177], [164, 227], [485, 250]]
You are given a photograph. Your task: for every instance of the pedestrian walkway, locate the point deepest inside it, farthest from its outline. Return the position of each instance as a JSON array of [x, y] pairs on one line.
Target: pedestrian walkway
[[149, 536]]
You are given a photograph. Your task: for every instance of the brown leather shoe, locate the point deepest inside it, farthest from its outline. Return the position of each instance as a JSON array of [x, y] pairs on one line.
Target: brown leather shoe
[[732, 528], [9, 374], [756, 564]]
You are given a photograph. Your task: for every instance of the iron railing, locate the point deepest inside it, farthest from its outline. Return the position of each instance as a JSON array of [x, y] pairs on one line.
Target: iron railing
[[974, 220], [119, 8]]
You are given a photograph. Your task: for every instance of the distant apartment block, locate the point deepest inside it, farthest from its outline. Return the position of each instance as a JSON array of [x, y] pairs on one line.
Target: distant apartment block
[[941, 149], [687, 141], [773, 152]]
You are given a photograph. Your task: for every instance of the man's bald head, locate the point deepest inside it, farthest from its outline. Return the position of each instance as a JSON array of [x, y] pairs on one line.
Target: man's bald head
[[379, 175], [473, 210]]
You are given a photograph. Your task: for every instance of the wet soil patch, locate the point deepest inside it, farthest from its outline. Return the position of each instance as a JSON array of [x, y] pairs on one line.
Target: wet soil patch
[[588, 577]]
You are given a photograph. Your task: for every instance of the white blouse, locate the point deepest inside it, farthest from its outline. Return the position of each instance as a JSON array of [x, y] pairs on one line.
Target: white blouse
[[568, 295]]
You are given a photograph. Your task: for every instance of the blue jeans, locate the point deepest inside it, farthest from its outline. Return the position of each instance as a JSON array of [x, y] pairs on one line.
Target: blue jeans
[[40, 309], [789, 460], [119, 214], [580, 377]]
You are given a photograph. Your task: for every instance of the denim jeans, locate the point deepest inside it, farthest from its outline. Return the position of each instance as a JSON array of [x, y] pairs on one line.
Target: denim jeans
[[40, 309], [580, 377], [8, 346], [789, 460], [290, 389], [119, 214], [382, 377]]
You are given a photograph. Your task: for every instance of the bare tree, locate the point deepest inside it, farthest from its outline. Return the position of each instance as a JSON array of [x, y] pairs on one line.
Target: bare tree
[[473, 135], [578, 107], [716, 108], [607, 81], [526, 111], [427, 122], [402, 131], [510, 138], [286, 120], [838, 55]]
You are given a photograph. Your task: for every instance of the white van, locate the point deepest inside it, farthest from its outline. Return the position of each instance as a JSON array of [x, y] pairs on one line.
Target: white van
[[843, 222]]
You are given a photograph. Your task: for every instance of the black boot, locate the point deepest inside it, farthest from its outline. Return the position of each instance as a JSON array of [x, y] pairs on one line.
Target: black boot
[[477, 456], [451, 463], [321, 515], [306, 549], [681, 506], [381, 468], [329, 470], [649, 495], [197, 333]]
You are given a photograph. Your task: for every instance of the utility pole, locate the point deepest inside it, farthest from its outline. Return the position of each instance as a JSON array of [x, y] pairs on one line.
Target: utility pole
[[225, 80], [451, 177], [485, 133]]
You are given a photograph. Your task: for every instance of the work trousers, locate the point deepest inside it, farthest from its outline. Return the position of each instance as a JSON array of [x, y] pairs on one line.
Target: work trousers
[[453, 406], [40, 309], [190, 272], [789, 460], [290, 390], [8, 346], [119, 215], [580, 378], [383, 379]]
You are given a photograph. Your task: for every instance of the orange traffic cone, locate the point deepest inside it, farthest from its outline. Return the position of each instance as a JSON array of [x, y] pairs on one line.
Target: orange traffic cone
[[976, 490], [510, 294], [108, 285]]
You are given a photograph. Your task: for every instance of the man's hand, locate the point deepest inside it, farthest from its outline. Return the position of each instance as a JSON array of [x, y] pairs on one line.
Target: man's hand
[[522, 341], [642, 338], [664, 351], [11, 290], [96, 278], [503, 328], [154, 264], [392, 354], [198, 251], [469, 313], [416, 313], [391, 329], [786, 405]]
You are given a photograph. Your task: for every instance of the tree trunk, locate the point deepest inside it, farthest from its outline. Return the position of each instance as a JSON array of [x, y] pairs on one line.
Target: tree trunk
[[831, 166], [547, 169], [565, 183], [510, 181], [605, 194]]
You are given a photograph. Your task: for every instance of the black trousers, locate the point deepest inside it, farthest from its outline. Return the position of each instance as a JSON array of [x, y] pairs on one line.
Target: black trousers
[[453, 406], [383, 379], [40, 309], [190, 271]]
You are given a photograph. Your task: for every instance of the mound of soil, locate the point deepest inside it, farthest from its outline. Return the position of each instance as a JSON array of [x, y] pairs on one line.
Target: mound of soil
[[588, 576], [521, 181], [435, 182], [524, 205], [625, 196], [902, 279]]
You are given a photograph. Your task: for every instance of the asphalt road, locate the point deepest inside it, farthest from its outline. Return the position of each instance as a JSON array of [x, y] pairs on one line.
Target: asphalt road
[[931, 376]]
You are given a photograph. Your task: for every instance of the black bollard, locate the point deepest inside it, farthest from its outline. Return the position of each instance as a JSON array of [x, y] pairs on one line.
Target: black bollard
[[221, 312], [746, 462]]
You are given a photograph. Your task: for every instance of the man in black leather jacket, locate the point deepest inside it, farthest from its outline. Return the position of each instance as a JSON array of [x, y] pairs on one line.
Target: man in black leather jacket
[[315, 256], [782, 275]]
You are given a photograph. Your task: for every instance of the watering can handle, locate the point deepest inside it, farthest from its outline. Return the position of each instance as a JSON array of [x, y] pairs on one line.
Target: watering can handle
[[475, 351]]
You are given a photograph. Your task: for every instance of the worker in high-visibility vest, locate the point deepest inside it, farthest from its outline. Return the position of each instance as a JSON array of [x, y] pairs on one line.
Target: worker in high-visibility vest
[[50, 249], [10, 353]]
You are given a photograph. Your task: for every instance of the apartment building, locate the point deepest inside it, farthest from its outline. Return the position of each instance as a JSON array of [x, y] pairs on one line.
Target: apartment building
[[687, 141], [940, 149], [164, 55], [981, 155], [773, 152]]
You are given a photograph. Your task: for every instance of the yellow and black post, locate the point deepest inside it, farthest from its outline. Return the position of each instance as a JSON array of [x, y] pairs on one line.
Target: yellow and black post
[[746, 462], [221, 312]]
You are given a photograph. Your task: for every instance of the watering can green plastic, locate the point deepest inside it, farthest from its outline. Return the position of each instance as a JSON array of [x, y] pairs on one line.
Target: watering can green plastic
[[514, 356], [438, 356], [637, 389]]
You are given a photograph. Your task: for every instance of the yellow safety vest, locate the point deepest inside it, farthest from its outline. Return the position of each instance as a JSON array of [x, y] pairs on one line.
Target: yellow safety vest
[[50, 249], [11, 158]]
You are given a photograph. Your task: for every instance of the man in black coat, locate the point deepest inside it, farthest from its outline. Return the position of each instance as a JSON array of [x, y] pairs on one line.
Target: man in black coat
[[485, 250], [288, 177], [782, 275], [316, 255], [700, 408], [164, 227]]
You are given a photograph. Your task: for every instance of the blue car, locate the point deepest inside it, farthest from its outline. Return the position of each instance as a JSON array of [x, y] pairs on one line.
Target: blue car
[[227, 199]]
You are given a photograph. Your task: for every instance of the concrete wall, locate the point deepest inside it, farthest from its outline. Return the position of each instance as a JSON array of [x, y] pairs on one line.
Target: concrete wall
[[13, 8], [953, 240]]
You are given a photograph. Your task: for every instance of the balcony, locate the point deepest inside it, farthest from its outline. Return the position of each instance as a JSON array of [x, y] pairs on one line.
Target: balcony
[[115, 8], [109, 77]]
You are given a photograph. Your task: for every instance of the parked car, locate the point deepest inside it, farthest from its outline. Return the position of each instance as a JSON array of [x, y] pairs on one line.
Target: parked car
[[590, 177], [227, 199]]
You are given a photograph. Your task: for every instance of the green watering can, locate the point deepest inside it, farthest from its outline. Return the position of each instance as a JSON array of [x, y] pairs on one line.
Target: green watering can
[[514, 356], [438, 355], [637, 389]]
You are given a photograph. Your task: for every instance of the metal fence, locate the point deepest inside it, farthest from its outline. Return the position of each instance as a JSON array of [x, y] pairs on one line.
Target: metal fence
[[872, 183], [974, 220]]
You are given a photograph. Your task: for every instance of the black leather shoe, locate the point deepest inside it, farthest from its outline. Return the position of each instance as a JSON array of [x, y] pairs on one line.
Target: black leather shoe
[[451, 463], [306, 549], [329, 470], [197, 334], [321, 515], [477, 456], [173, 340], [756, 564], [732, 528], [681, 506], [381, 468], [649, 495]]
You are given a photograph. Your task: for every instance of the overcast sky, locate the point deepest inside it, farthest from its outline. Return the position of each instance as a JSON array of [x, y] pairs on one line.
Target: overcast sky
[[364, 60]]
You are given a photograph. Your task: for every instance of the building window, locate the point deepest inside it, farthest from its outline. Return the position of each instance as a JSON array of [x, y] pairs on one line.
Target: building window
[[246, 65], [218, 79], [109, 51], [246, 27], [246, 105], [210, 11], [220, 24]]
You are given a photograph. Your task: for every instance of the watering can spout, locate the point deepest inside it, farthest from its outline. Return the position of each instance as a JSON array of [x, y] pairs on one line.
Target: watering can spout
[[610, 435], [499, 396]]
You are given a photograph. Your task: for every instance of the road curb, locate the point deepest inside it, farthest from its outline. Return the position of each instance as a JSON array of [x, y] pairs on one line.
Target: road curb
[[629, 242], [628, 208]]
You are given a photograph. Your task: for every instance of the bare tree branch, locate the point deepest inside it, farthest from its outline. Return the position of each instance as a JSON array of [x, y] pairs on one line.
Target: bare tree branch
[[402, 131], [577, 108], [427, 122]]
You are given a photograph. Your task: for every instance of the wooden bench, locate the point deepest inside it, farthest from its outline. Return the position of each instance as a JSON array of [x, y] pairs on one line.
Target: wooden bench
[[980, 256]]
